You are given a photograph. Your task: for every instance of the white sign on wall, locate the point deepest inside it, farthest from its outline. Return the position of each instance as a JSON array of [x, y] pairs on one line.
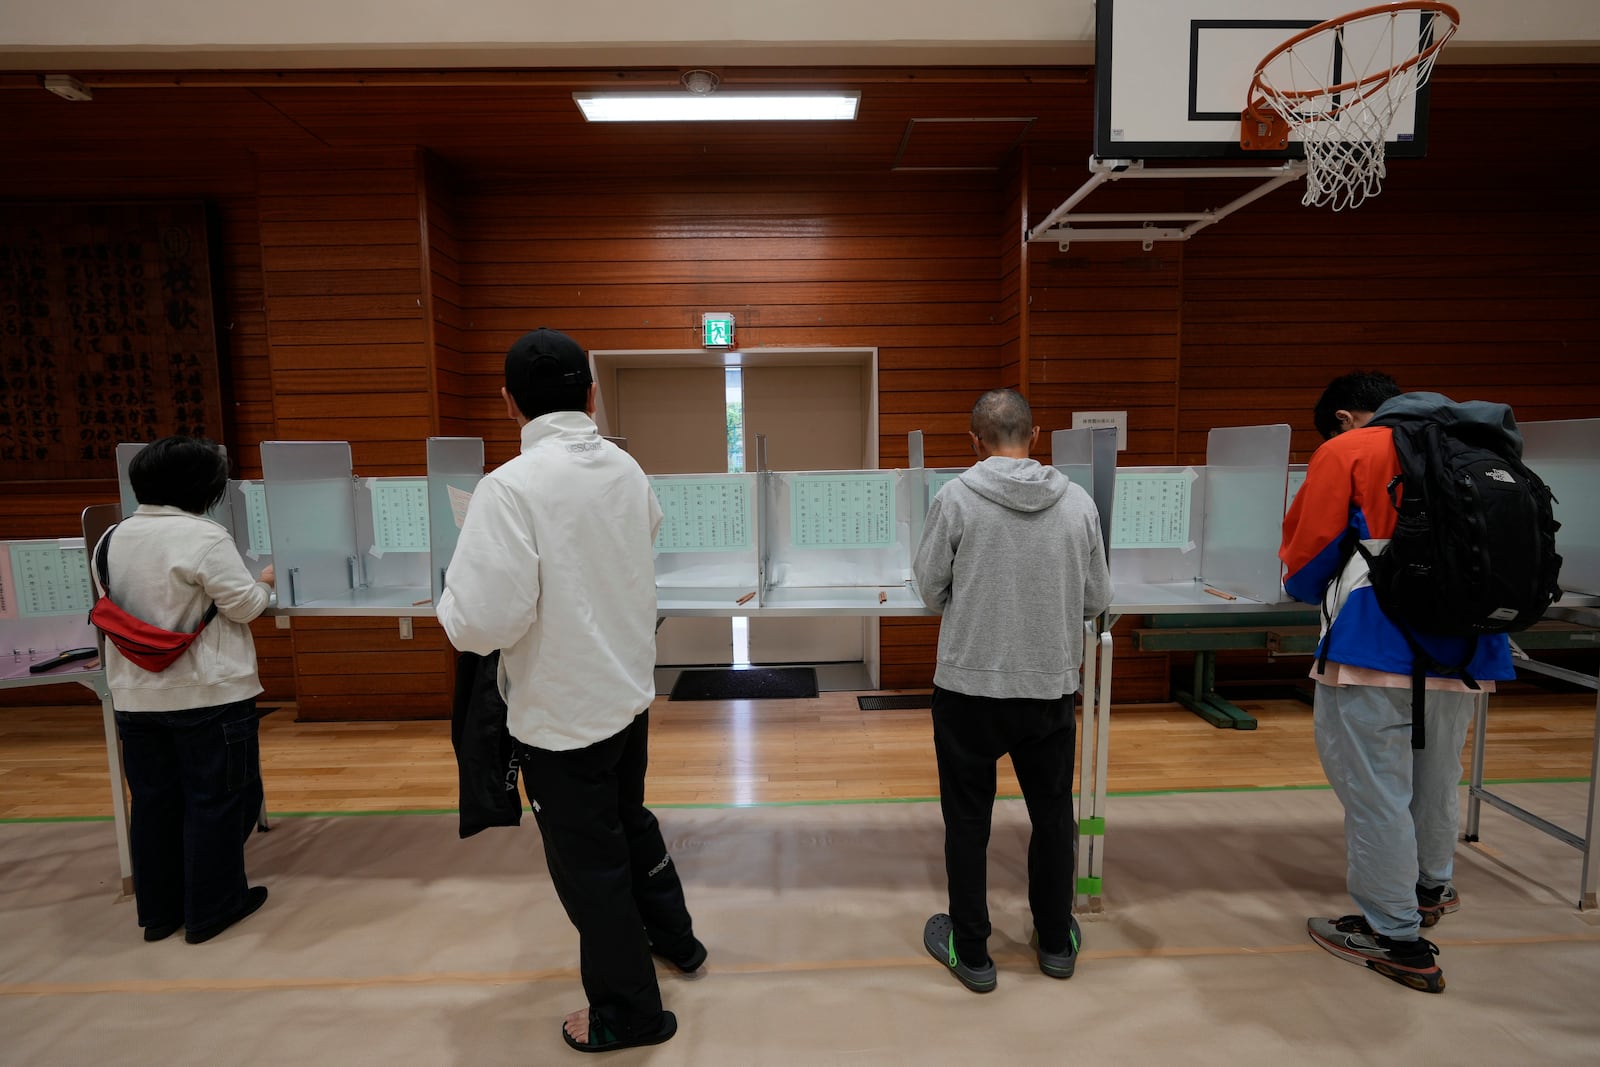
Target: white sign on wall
[[1082, 420]]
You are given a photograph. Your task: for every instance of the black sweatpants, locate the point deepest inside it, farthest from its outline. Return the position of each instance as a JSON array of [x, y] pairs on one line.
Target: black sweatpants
[[611, 870], [970, 734]]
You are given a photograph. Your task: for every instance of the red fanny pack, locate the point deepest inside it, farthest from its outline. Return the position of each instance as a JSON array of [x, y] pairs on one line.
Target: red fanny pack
[[140, 643]]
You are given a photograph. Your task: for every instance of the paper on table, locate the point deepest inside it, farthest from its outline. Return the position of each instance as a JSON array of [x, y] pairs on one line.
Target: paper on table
[[8, 599], [51, 578], [1296, 480], [704, 515], [459, 499], [1151, 510], [399, 515], [842, 511], [258, 536], [937, 480]]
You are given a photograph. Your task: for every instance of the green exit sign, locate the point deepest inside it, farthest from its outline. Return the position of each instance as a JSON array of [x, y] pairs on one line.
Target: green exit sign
[[716, 329]]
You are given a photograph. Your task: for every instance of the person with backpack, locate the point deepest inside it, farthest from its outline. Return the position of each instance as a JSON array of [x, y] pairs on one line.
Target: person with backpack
[[1433, 486]]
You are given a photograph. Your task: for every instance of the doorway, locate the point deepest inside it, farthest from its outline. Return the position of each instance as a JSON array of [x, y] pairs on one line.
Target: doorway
[[696, 412]]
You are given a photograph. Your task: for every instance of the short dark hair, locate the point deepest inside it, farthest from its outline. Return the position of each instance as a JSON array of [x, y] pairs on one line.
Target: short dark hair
[[547, 371], [182, 472], [1356, 391], [1002, 417]]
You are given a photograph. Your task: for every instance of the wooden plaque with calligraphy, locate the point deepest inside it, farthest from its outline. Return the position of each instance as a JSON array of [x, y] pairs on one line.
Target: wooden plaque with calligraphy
[[107, 334]]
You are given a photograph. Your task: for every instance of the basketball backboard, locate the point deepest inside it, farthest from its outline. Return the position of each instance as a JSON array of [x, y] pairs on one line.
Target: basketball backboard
[[1171, 75]]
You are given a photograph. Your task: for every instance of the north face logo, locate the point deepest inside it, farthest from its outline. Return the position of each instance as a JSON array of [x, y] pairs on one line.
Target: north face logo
[[1500, 475]]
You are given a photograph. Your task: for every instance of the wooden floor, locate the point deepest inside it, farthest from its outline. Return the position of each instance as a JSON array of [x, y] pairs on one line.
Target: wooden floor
[[53, 764]]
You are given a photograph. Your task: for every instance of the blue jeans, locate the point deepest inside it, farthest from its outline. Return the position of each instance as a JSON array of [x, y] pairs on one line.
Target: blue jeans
[[1401, 805], [196, 784]]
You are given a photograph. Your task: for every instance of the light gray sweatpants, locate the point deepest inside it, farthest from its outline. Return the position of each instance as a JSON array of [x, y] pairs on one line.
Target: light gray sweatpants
[[1401, 805]]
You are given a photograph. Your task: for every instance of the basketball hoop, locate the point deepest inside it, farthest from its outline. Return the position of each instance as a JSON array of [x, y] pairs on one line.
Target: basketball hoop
[[1340, 85]]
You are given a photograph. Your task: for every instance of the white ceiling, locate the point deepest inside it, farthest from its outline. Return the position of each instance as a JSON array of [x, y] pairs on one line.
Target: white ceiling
[[302, 34]]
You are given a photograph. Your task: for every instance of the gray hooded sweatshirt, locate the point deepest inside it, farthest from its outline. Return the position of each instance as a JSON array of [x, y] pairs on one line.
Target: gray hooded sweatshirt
[[1011, 557]]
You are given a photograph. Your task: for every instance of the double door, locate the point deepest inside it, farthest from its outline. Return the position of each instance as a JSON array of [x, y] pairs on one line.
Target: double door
[[815, 411]]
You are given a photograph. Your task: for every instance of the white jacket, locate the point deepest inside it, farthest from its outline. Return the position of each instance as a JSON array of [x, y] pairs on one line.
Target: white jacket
[[555, 568], [166, 567]]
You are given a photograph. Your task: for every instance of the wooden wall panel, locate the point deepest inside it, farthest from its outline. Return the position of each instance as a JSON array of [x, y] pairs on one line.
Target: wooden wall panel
[[1473, 274], [905, 263], [355, 362], [446, 319], [361, 347]]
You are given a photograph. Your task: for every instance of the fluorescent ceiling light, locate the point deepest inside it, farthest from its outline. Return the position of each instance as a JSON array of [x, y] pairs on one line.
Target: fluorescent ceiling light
[[720, 107]]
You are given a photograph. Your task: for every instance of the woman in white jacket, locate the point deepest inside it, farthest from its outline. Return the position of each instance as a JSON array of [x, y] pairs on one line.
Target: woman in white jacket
[[188, 732]]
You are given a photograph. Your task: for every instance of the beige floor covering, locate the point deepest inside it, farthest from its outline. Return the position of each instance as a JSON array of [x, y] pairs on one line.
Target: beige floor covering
[[388, 941]]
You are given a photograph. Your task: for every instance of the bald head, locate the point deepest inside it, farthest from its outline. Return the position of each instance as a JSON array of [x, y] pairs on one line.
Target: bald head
[[1001, 419]]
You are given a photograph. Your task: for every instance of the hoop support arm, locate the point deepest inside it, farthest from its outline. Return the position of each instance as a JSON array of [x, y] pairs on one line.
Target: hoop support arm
[[1062, 227]]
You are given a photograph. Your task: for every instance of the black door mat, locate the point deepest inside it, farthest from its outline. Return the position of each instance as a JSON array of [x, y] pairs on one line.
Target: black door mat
[[756, 683], [895, 703]]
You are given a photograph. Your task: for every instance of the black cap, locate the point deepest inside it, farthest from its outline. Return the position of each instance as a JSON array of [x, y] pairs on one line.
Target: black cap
[[545, 359]]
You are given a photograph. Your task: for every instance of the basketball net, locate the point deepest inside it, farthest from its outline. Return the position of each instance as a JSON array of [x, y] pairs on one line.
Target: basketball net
[[1340, 86]]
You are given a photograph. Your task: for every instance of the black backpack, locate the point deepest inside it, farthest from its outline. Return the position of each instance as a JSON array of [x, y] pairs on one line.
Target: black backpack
[[1474, 549]]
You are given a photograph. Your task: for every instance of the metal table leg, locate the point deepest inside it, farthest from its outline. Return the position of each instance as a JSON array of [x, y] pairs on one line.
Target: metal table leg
[[1480, 723], [119, 797], [1093, 752]]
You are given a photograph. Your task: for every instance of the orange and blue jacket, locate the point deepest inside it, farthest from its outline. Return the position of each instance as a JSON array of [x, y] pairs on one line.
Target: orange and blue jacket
[[1346, 489]]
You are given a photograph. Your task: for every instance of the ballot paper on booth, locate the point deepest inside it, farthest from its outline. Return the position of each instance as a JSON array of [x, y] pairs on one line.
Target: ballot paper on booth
[[707, 551], [840, 539]]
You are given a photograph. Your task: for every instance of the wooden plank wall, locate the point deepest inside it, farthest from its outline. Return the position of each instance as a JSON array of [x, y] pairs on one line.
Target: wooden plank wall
[[1473, 274], [343, 269], [903, 263], [448, 319]]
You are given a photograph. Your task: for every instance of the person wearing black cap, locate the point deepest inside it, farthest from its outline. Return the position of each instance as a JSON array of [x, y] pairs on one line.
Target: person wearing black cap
[[554, 569]]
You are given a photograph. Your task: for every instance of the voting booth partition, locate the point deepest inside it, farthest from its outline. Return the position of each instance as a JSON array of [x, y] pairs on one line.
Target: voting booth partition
[[1203, 538], [242, 511], [1566, 454], [345, 545], [45, 596], [841, 542], [708, 554], [356, 546], [342, 544], [1195, 554], [455, 466]]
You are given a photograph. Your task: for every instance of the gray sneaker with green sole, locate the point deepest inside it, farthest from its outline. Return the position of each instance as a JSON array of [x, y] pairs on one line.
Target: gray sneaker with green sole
[[938, 937]]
